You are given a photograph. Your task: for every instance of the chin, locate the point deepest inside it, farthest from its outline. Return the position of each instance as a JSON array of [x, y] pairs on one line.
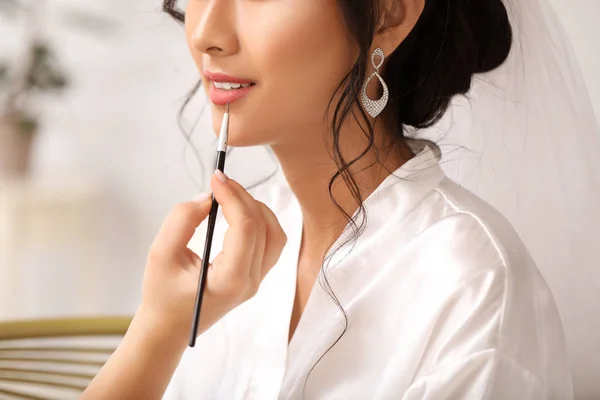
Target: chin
[[240, 135]]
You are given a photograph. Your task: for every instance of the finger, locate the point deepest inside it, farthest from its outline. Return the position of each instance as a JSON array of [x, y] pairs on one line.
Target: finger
[[243, 217], [275, 242], [243, 194], [259, 250], [262, 238], [179, 227], [274, 238]]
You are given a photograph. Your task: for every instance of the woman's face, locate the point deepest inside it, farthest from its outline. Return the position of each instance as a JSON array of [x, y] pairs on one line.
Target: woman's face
[[295, 53]]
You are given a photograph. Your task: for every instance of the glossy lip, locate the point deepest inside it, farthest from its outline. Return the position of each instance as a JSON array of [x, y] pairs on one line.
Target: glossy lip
[[221, 77], [221, 96]]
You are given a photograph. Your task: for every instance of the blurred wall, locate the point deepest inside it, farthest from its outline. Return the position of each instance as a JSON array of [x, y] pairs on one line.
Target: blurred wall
[[580, 20]]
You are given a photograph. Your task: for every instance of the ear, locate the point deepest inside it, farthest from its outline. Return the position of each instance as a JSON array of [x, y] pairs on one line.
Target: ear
[[398, 18]]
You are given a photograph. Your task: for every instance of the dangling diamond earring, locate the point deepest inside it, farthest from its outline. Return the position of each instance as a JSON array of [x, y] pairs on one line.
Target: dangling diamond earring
[[375, 107]]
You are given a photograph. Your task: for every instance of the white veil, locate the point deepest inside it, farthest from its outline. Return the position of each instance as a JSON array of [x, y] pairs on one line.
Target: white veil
[[526, 140]]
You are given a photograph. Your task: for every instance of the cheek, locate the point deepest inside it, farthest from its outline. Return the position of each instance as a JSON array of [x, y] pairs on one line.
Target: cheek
[[297, 50], [301, 50]]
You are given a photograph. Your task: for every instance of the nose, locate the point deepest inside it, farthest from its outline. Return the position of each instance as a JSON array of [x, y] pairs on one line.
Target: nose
[[214, 33]]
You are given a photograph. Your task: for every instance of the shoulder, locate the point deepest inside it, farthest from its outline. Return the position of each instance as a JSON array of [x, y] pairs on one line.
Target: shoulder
[[462, 225], [484, 280], [476, 249], [461, 247]]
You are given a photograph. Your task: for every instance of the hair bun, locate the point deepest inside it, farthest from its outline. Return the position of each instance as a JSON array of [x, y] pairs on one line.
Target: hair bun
[[492, 31], [452, 41]]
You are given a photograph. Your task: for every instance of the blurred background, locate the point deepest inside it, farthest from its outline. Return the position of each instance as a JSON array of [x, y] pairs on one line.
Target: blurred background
[[91, 161], [94, 90], [92, 157]]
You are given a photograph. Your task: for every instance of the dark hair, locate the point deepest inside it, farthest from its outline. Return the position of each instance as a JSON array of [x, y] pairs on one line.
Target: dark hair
[[452, 41]]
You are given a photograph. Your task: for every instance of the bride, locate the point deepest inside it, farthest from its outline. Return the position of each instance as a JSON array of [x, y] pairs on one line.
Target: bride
[[363, 271]]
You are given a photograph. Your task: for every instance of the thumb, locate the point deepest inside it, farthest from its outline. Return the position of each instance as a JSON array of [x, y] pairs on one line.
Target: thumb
[[180, 225]]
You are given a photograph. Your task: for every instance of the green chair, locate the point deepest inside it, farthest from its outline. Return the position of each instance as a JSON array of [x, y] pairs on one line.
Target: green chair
[[55, 358]]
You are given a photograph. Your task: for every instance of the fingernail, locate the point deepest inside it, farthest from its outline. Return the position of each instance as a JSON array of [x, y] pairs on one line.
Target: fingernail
[[202, 197], [221, 176]]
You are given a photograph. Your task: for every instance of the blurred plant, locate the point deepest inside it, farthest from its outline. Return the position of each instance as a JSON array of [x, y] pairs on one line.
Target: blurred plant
[[37, 71], [39, 74]]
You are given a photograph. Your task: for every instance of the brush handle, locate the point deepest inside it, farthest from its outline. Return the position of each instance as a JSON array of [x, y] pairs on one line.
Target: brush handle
[[212, 217]]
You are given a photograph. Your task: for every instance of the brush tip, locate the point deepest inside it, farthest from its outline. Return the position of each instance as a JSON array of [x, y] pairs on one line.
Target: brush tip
[[227, 107]]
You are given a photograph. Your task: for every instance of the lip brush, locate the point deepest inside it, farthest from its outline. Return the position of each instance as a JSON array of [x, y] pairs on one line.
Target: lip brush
[[220, 165]]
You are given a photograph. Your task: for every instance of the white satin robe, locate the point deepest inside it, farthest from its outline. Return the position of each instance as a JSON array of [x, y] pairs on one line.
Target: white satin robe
[[443, 302]]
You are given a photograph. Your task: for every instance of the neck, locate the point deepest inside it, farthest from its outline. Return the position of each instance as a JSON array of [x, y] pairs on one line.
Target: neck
[[308, 168]]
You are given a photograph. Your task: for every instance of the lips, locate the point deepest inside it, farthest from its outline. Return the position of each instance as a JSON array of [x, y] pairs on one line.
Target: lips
[[221, 97], [230, 87], [222, 78]]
